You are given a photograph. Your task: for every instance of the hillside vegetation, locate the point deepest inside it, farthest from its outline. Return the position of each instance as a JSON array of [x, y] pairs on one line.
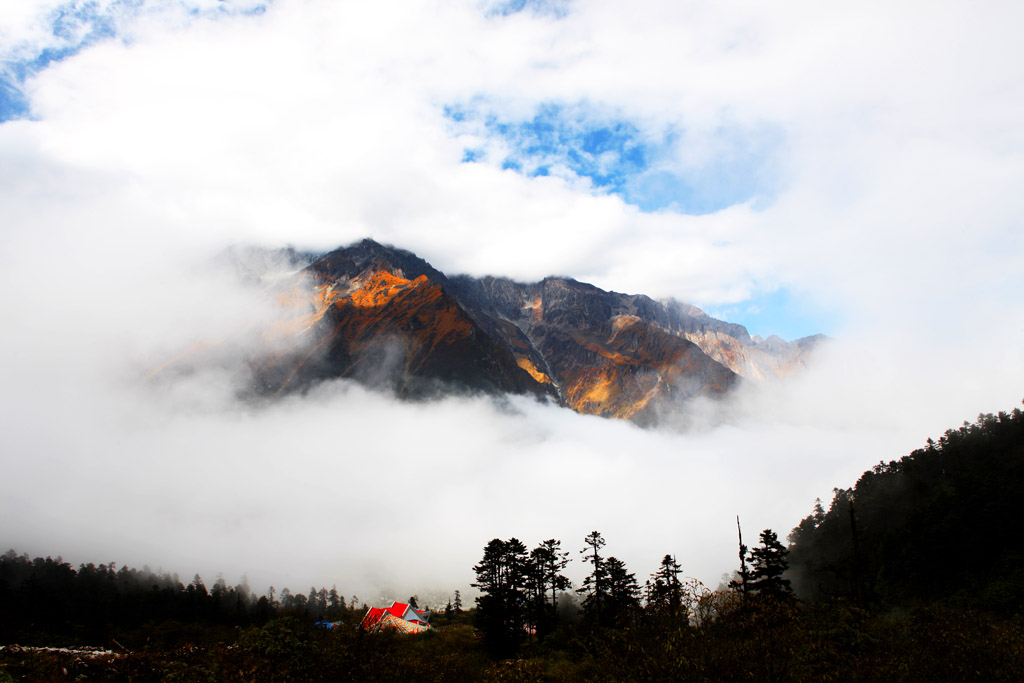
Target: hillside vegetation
[[940, 524]]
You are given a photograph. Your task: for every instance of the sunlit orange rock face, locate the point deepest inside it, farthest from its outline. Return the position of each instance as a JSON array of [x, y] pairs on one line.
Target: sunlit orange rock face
[[606, 353], [384, 316], [637, 366], [377, 315]]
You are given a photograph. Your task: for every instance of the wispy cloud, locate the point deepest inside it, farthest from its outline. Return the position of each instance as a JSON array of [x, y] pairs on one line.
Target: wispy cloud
[[562, 140], [34, 35], [505, 8], [651, 169], [865, 160]]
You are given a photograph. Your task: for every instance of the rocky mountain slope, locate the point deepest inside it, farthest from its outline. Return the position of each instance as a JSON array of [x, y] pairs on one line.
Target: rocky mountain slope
[[386, 317]]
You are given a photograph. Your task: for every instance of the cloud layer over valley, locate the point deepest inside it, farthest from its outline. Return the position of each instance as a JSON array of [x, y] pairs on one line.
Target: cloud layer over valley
[[861, 163]]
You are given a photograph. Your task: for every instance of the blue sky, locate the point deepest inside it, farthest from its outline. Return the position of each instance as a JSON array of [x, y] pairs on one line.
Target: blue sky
[[647, 166], [618, 157], [72, 27], [779, 312], [553, 8], [12, 101]]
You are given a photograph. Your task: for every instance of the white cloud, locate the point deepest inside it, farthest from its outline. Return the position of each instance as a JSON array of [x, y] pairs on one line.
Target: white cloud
[[333, 487], [318, 123]]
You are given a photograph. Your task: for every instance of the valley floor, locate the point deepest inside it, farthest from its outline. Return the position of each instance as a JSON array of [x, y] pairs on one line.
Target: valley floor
[[830, 642]]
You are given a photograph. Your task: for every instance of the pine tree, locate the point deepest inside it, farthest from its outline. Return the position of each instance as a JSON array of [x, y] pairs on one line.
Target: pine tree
[[197, 585], [664, 589], [551, 561], [501, 608], [449, 612], [818, 513], [594, 586], [313, 602], [623, 591], [769, 563], [335, 603], [220, 587], [546, 564]]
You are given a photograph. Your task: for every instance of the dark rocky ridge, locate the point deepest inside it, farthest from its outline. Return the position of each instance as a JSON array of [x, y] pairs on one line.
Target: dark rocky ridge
[[381, 314]]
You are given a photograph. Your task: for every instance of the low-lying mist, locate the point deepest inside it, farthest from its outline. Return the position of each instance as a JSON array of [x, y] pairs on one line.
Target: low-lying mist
[[350, 486], [887, 203]]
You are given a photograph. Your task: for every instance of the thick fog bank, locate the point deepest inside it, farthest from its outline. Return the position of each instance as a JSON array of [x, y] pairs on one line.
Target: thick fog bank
[[350, 486], [869, 181]]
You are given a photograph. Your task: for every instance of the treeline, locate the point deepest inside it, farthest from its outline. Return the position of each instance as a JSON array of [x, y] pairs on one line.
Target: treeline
[[520, 589], [940, 524], [44, 599]]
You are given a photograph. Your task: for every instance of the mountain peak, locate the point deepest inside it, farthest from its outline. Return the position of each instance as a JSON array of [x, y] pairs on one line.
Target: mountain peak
[[348, 262], [384, 316]]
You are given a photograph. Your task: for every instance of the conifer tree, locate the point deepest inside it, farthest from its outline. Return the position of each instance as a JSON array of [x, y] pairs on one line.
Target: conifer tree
[[622, 589], [546, 564], [335, 603], [551, 561], [313, 602], [501, 609], [594, 586], [197, 585], [664, 589], [818, 513], [769, 563]]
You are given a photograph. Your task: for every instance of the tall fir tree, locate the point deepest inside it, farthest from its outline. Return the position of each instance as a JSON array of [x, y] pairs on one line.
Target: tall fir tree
[[594, 585], [664, 589], [501, 577], [623, 592], [769, 563], [547, 563]]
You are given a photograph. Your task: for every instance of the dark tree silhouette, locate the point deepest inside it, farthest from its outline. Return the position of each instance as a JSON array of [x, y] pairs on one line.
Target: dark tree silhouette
[[594, 586], [743, 584], [501, 577], [45, 598], [547, 561], [769, 563], [894, 549], [664, 589], [623, 591]]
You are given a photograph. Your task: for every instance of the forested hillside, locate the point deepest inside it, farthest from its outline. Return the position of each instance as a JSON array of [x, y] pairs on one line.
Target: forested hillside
[[46, 600], [940, 524]]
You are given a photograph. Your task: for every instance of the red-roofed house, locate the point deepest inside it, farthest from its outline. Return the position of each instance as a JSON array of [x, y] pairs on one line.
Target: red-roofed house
[[399, 610]]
